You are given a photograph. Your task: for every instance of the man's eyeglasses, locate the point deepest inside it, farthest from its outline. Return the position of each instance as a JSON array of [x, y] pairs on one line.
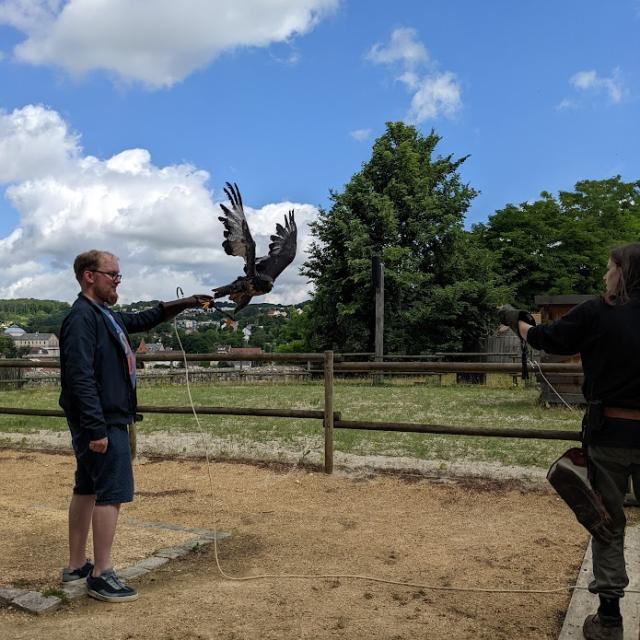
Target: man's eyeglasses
[[114, 275]]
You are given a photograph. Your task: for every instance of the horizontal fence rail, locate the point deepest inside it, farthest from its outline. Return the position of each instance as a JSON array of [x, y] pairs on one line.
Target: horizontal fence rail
[[240, 411], [178, 356], [226, 411], [412, 427], [332, 364], [340, 364], [338, 423], [457, 367]]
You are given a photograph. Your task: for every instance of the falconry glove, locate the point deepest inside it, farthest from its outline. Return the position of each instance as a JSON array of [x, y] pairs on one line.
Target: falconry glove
[[569, 476], [510, 316], [174, 307]]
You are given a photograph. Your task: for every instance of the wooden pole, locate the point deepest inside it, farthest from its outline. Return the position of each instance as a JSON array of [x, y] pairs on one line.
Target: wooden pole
[[328, 412], [225, 411], [378, 280], [495, 432], [457, 367]]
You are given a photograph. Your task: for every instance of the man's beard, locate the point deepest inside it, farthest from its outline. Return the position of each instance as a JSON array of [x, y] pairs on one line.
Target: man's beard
[[112, 297]]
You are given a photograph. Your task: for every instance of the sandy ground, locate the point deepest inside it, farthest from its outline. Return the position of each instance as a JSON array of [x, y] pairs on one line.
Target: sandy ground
[[287, 520]]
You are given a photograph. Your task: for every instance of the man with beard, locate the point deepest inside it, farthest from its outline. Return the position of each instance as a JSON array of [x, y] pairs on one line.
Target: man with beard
[[98, 379]]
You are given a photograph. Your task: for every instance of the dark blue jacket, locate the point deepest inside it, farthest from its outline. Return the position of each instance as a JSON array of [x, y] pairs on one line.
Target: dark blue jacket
[[96, 387]]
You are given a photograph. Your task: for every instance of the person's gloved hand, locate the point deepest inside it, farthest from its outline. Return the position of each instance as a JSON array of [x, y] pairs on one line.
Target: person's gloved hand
[[510, 316], [174, 307]]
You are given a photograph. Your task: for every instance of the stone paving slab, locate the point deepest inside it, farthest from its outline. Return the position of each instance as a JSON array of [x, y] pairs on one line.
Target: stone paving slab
[[213, 535], [153, 562], [8, 594], [584, 603], [75, 589], [133, 572], [36, 602], [171, 552]]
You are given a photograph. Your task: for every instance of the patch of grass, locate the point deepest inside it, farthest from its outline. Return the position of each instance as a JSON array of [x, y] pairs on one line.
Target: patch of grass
[[56, 593], [495, 405]]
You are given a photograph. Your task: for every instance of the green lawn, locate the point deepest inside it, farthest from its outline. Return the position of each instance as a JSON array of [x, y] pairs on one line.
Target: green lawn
[[494, 405]]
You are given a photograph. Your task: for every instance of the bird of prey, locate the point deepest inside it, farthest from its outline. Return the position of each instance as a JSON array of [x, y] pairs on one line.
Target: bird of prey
[[260, 273]]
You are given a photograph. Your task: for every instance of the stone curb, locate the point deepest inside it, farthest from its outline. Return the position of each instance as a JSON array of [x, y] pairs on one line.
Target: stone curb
[[37, 603], [584, 603]]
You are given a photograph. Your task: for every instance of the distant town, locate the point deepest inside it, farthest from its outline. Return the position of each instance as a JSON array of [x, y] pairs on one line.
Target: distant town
[[29, 328]]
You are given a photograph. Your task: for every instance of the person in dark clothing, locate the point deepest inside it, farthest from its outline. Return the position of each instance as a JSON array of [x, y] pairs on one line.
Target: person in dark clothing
[[98, 380], [605, 331]]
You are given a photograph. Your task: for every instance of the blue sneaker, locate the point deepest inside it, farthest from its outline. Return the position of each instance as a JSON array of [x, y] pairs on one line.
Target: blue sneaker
[[108, 588], [77, 574]]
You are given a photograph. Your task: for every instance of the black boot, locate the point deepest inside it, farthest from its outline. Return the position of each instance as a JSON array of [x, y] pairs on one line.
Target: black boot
[[606, 624]]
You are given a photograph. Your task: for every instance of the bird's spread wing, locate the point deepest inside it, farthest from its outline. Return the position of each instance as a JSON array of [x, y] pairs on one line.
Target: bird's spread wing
[[236, 230], [282, 249]]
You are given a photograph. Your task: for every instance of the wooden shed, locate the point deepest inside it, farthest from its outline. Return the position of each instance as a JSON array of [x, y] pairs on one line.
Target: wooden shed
[[568, 385]]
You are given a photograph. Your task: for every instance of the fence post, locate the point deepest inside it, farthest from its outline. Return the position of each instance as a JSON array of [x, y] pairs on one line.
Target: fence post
[[328, 412], [378, 282]]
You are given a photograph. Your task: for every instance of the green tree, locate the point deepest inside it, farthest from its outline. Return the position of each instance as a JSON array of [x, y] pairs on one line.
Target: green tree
[[560, 245], [44, 316], [294, 333], [7, 347], [407, 206]]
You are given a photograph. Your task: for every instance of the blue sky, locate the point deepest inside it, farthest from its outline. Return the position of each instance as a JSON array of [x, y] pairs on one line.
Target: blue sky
[[121, 121]]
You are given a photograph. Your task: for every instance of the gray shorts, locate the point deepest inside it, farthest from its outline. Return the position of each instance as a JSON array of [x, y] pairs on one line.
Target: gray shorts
[[108, 475]]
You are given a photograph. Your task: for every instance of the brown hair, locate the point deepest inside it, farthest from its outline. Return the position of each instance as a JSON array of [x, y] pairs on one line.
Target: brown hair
[[627, 259], [88, 261]]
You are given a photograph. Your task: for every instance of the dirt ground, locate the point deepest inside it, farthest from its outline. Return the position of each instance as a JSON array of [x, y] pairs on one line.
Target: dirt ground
[[286, 520]]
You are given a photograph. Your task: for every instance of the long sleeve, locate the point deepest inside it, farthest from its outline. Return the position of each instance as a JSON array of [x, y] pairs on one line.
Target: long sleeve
[[143, 320], [78, 347], [565, 336]]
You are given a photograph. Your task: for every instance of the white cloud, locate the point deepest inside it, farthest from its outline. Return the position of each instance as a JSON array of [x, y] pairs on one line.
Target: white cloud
[[584, 79], [564, 104], [410, 79], [438, 94], [29, 15], [34, 142], [403, 47], [161, 221], [435, 93], [156, 42], [361, 135], [590, 81]]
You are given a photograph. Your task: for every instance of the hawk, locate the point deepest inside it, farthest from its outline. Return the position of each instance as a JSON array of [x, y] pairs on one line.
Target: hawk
[[260, 273]]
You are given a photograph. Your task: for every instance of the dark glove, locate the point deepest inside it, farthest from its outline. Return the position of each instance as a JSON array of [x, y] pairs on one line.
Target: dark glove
[[174, 307], [510, 316]]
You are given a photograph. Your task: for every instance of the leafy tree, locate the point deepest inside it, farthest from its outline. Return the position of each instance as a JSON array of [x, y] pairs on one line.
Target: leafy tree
[[560, 245], [7, 347], [408, 206], [44, 316], [294, 334], [259, 338]]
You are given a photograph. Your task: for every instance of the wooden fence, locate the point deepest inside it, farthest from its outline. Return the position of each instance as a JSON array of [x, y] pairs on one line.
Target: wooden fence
[[331, 364]]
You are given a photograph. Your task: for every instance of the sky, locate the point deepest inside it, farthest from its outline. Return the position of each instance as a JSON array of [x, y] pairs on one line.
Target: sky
[[121, 121]]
